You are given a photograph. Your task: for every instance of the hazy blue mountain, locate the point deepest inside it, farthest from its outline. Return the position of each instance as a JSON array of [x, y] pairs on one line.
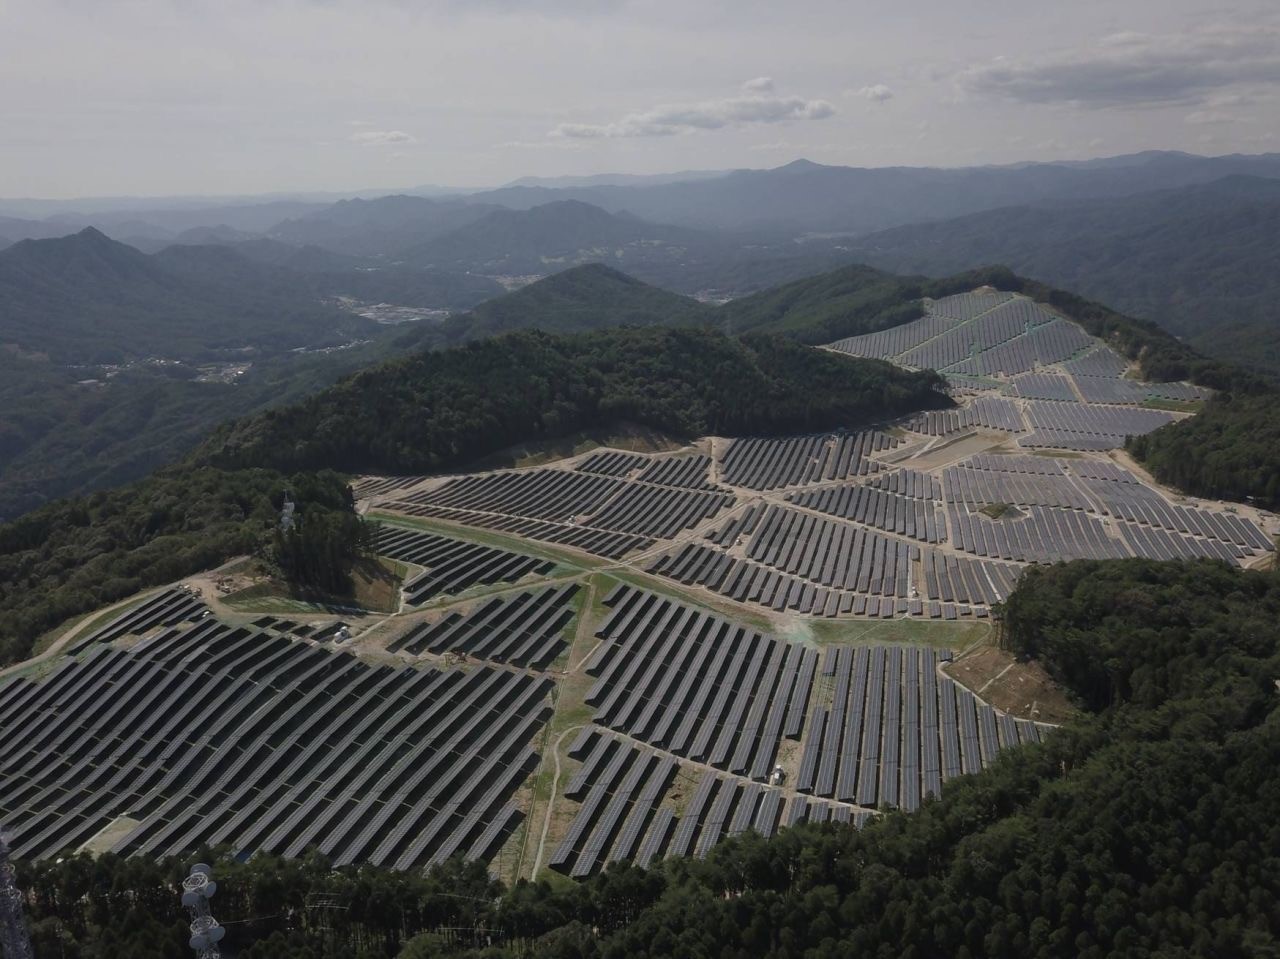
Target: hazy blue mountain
[[554, 236], [615, 179], [13, 229], [808, 197], [378, 227], [577, 300], [88, 298]]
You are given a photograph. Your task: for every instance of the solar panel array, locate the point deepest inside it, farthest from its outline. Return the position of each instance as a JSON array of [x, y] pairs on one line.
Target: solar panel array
[[1042, 386], [167, 608], [766, 464], [905, 515], [1024, 480], [898, 339], [954, 579], [1038, 534], [525, 630], [453, 565], [1043, 359], [829, 552], [697, 685], [217, 735], [890, 728], [603, 514], [991, 412], [369, 486], [623, 815], [1091, 423], [983, 334]]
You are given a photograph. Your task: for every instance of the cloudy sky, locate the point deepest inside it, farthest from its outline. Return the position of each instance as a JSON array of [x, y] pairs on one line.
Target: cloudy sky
[[154, 97]]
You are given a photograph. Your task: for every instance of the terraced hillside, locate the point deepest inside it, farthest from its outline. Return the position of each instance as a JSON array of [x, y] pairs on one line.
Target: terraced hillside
[[628, 655]]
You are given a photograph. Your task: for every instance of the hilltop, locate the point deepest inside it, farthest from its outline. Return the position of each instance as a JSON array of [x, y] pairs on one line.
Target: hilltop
[[577, 300], [1202, 260]]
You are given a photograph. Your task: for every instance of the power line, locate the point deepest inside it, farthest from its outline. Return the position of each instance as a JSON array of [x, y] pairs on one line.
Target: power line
[[197, 889], [14, 942]]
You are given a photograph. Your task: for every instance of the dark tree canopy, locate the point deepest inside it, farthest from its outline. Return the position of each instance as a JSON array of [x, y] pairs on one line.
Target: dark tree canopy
[[436, 410]]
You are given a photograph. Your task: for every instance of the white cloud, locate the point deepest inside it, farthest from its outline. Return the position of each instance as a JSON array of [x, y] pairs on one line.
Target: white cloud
[[759, 85], [1208, 118], [876, 93], [381, 138], [1135, 69], [679, 118]]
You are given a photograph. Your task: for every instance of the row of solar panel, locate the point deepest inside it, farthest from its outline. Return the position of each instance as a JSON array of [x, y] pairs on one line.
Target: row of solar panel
[[765, 464], [452, 565], [688, 472], [906, 516], [526, 630], [698, 685], [895, 729], [215, 735], [749, 582], [167, 608], [599, 542], [622, 816]]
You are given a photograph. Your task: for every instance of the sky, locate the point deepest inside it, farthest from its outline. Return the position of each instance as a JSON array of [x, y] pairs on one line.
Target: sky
[[169, 97]]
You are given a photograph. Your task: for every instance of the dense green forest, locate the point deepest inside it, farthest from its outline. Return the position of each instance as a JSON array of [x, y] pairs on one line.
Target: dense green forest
[[435, 410], [1229, 450], [74, 556], [1145, 828]]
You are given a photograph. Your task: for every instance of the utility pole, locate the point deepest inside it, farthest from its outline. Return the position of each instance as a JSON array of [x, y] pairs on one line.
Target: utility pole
[[197, 889], [14, 942]]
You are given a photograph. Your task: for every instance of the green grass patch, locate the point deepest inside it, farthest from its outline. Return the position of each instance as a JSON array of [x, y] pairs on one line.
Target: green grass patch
[[376, 589], [1059, 454], [1173, 406], [95, 622], [996, 510], [914, 632]]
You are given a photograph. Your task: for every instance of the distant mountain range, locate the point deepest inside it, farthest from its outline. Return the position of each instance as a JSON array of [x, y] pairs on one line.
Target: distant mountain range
[[806, 197], [378, 228], [798, 198], [86, 298]]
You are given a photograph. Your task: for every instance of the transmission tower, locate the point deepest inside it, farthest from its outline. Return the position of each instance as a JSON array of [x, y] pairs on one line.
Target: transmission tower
[[14, 943], [197, 889]]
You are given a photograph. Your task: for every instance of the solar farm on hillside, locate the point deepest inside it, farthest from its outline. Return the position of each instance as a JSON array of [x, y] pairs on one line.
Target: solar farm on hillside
[[626, 655]]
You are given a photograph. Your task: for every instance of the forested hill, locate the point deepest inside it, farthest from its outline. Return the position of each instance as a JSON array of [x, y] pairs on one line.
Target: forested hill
[[578, 300], [439, 409], [1229, 450], [88, 299], [1146, 828]]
